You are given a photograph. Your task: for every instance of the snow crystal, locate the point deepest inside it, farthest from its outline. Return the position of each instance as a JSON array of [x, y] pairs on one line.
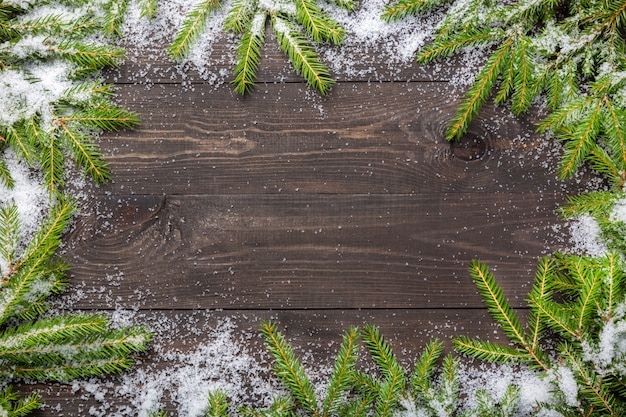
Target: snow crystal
[[220, 361], [26, 93], [567, 385], [585, 236], [618, 212], [610, 350], [29, 195], [495, 379]]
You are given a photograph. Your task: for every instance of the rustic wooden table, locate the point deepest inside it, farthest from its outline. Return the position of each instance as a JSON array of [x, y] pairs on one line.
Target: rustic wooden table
[[320, 213]]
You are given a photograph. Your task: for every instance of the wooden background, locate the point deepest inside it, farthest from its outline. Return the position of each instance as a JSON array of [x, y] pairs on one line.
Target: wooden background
[[320, 213]]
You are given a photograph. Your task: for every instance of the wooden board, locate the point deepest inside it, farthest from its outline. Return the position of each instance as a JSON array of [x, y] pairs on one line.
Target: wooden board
[[318, 212], [303, 251], [366, 138]]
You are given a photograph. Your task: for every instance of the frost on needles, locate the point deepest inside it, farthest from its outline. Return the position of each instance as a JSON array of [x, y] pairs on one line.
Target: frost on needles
[[52, 105], [571, 53], [57, 348], [52, 100], [297, 24]]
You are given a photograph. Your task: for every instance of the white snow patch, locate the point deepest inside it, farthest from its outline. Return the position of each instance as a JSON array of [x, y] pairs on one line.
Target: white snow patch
[[585, 236], [219, 360], [28, 194], [24, 94]]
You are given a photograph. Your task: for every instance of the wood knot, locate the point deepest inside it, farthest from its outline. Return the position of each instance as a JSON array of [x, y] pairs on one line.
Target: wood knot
[[471, 147]]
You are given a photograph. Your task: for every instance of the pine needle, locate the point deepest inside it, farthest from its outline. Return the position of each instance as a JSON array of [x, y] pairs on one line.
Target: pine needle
[[192, 29], [289, 370], [404, 8], [498, 305], [479, 92], [302, 56], [9, 234], [339, 382], [218, 404], [249, 53], [6, 178]]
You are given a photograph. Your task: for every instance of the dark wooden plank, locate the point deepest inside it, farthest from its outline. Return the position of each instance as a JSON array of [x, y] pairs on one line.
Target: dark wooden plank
[[307, 251], [367, 138], [315, 336]]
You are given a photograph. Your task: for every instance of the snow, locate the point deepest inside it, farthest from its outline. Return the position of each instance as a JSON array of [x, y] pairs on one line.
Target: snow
[[567, 385], [393, 45], [220, 356], [496, 378], [221, 360], [29, 195], [32, 91], [585, 236]]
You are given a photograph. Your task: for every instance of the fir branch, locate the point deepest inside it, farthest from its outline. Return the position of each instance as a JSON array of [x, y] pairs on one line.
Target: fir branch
[[403, 8], [593, 389], [114, 17], [34, 262], [319, 25], [487, 351], [15, 407], [192, 28], [497, 304], [339, 382], [447, 395], [20, 141], [249, 53], [424, 368], [523, 80], [390, 389], [389, 392], [600, 160], [542, 290], [148, 8], [614, 124], [479, 92], [49, 331], [85, 153], [508, 402], [48, 236], [74, 354], [102, 116], [302, 56], [579, 141], [9, 234], [589, 288], [446, 47], [562, 85], [365, 384], [240, 15], [88, 56], [613, 284], [289, 370], [52, 162], [218, 404], [6, 178], [380, 350], [596, 203], [281, 406], [349, 5], [557, 318]]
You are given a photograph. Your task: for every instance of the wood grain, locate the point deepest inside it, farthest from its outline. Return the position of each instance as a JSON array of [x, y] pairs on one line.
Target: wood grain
[[308, 251], [367, 138], [317, 212]]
